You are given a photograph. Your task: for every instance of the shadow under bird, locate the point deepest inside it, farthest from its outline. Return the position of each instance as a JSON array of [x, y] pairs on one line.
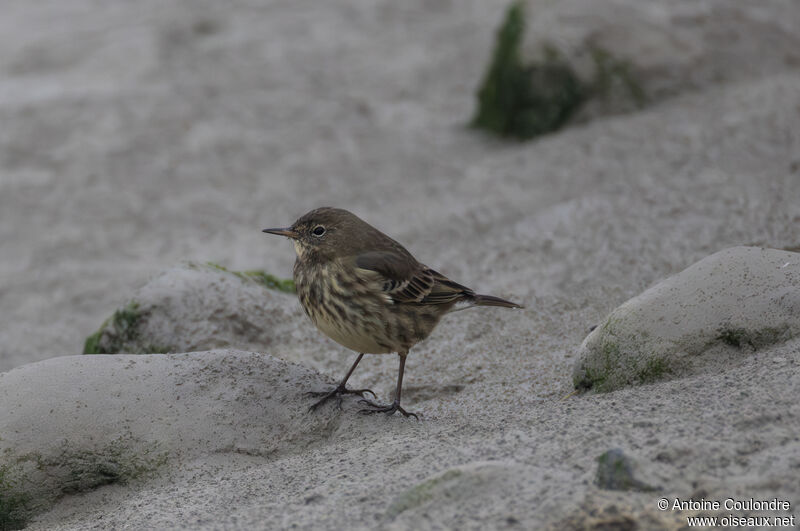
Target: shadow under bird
[[368, 293]]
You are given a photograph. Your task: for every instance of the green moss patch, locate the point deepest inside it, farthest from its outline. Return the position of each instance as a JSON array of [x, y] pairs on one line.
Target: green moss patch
[[120, 333], [524, 99], [654, 370], [421, 494], [85, 471], [115, 331], [603, 378], [611, 366], [92, 343], [742, 337], [31, 483], [615, 472], [14, 505], [262, 277], [521, 100], [271, 281], [599, 377]]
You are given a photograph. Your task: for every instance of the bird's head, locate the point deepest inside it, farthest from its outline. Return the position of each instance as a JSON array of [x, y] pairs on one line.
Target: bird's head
[[325, 233]]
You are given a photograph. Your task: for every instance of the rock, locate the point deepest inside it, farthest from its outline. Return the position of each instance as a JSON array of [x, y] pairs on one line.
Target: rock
[[113, 419], [573, 60], [615, 471], [703, 319], [606, 510], [200, 307], [522, 100], [633, 52], [457, 497]]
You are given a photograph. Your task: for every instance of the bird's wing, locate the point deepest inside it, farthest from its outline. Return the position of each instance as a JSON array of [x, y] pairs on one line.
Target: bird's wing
[[404, 280]]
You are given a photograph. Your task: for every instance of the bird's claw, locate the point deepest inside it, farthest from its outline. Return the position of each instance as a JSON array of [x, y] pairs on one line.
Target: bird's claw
[[360, 392], [380, 408], [336, 392], [341, 391]]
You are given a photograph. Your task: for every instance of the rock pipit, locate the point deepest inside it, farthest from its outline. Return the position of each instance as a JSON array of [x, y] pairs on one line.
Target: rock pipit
[[366, 292]]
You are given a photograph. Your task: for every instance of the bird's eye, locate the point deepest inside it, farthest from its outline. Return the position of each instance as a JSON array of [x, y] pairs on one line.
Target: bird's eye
[[319, 230]]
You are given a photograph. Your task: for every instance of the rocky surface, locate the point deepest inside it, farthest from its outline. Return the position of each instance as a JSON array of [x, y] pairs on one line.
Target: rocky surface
[[114, 419], [648, 51], [617, 471], [704, 319], [200, 307], [141, 135], [222, 439]]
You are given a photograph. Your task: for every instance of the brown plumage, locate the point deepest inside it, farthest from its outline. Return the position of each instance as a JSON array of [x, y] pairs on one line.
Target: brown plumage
[[368, 293]]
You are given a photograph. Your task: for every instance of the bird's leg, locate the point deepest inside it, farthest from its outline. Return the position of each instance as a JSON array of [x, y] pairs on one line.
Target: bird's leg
[[339, 390], [394, 406]]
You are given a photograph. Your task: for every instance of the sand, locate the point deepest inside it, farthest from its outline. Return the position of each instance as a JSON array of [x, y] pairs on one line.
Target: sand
[[138, 136]]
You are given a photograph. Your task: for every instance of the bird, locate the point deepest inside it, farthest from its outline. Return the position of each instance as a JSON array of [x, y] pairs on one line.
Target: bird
[[365, 291]]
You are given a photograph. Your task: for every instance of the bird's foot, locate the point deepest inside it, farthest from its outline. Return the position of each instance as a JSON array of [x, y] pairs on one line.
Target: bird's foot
[[380, 408], [336, 392]]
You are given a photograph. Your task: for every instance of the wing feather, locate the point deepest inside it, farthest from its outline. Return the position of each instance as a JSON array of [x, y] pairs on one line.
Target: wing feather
[[404, 280]]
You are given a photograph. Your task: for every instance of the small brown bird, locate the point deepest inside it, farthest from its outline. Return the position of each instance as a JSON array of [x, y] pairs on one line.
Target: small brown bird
[[366, 292]]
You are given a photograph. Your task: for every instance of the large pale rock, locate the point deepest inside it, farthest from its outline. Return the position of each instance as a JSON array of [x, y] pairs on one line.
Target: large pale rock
[[200, 307], [71, 424], [663, 48], [702, 319]]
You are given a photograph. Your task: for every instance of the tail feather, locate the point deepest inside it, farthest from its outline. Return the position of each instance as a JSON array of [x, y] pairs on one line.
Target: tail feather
[[489, 300]]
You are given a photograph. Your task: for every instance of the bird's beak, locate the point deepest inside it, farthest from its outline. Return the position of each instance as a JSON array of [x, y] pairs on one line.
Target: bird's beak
[[288, 232]]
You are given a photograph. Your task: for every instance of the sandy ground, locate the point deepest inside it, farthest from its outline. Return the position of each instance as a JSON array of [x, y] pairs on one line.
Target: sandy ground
[[139, 135]]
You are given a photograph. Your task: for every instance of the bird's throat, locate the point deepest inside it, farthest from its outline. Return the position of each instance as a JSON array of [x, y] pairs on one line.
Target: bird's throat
[[299, 249]]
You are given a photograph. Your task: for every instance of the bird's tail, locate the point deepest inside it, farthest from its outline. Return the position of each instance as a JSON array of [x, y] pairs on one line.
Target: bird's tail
[[489, 300]]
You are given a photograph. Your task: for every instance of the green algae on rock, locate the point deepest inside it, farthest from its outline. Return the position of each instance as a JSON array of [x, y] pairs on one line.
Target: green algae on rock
[[523, 100], [269, 281], [615, 471], [118, 332], [74, 424], [15, 505], [197, 307], [703, 319], [31, 483], [524, 95]]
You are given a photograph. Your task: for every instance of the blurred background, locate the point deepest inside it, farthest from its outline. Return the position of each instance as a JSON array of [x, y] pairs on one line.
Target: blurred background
[[140, 134]]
